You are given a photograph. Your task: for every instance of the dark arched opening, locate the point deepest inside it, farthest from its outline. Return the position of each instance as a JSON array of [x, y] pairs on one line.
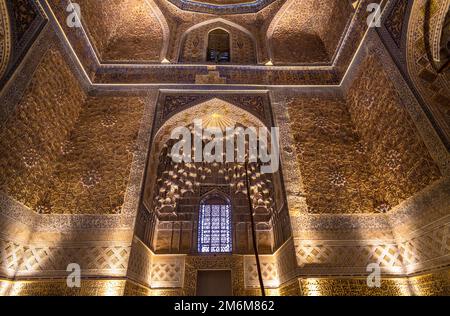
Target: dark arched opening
[[218, 46]]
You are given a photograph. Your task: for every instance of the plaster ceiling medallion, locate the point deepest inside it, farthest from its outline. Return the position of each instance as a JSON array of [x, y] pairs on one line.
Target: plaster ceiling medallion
[[222, 6]]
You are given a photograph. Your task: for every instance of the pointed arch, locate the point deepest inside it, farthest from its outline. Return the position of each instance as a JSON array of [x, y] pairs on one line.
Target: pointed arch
[[164, 26], [203, 109], [436, 34], [216, 23], [300, 33], [5, 38], [273, 24], [215, 193], [221, 46], [185, 117], [175, 191], [422, 66], [137, 25]]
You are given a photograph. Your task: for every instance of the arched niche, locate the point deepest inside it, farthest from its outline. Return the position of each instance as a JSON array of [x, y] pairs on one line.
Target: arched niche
[[194, 42], [218, 48], [126, 30], [307, 31], [440, 39], [173, 191]]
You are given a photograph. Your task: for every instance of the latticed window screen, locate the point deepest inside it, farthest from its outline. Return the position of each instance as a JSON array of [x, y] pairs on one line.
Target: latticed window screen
[[214, 227]]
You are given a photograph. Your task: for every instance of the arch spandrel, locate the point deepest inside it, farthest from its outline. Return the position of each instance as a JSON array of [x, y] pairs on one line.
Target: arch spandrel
[[431, 83], [5, 38]]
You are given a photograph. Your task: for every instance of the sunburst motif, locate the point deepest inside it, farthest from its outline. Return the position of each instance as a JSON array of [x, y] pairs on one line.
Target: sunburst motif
[[217, 119]]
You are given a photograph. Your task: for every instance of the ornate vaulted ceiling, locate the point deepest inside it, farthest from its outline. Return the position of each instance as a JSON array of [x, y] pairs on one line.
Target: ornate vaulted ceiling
[[223, 2], [222, 6], [123, 30], [149, 41]]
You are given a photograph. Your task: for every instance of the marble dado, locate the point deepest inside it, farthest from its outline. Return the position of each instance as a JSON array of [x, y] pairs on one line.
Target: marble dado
[[327, 244], [179, 271], [427, 251], [435, 283], [167, 271], [52, 259], [401, 241], [106, 287], [166, 276]]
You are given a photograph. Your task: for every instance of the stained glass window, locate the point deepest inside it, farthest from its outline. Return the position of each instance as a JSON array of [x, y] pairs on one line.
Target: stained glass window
[[214, 226]]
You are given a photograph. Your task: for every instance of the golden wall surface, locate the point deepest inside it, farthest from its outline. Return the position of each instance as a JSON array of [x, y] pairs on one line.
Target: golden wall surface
[[123, 30], [334, 165], [63, 152], [362, 154], [92, 173], [31, 139], [397, 154], [303, 37]]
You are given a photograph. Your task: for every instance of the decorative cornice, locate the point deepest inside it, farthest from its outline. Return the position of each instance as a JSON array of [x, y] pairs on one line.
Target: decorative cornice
[[222, 9]]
